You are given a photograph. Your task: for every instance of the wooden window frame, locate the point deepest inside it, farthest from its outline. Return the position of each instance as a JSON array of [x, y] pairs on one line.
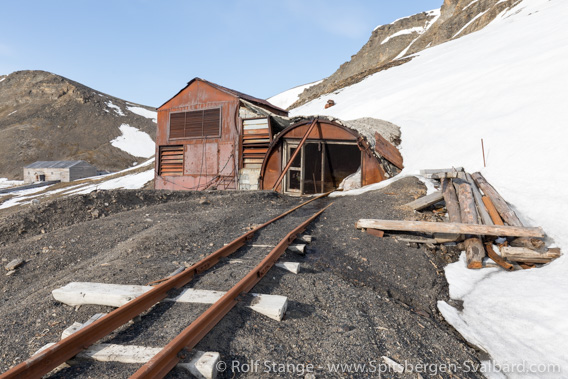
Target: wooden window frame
[[202, 136]]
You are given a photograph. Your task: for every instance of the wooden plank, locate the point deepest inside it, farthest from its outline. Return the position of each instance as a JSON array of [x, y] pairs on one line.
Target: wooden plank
[[522, 254], [474, 250], [442, 173], [388, 151], [453, 209], [482, 211], [440, 170], [492, 211], [426, 201], [507, 214], [451, 199], [452, 228]]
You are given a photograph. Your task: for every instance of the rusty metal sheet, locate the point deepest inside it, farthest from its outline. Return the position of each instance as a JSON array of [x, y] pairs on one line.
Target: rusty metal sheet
[[226, 158], [388, 151]]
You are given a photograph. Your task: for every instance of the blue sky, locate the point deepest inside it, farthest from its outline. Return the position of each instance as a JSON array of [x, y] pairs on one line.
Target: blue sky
[[145, 51]]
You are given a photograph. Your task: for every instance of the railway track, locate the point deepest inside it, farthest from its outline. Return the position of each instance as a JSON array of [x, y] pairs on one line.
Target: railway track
[[51, 357]]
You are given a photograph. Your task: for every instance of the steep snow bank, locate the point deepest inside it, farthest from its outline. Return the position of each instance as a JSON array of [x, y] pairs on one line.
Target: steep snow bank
[[285, 99], [507, 85]]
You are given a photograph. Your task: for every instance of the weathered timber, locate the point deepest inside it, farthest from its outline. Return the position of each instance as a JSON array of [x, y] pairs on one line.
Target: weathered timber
[[428, 173], [451, 199], [474, 250], [507, 214], [482, 211], [388, 151], [415, 240], [497, 258], [453, 209], [492, 211], [468, 211], [522, 254], [452, 228], [444, 175], [426, 201], [530, 243]]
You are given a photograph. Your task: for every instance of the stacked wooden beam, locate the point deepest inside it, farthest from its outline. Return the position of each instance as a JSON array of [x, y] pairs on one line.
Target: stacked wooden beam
[[477, 214]]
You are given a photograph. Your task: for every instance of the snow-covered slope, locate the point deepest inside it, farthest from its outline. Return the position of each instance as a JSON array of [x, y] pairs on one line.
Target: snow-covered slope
[[285, 99], [507, 84]]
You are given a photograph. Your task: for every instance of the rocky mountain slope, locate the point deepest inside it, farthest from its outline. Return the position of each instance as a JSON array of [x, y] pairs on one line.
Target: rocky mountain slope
[[394, 44], [44, 116]]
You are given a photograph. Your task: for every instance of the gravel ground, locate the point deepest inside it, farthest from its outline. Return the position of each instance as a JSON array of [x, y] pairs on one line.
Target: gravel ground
[[357, 298]]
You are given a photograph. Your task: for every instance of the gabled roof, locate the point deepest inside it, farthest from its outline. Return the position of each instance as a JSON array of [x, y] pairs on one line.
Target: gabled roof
[[240, 95], [55, 164]]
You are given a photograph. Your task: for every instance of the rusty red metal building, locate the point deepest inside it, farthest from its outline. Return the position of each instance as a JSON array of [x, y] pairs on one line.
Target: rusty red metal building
[[210, 136]]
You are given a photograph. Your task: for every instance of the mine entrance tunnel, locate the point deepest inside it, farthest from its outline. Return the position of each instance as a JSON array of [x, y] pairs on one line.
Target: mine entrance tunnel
[[315, 156], [320, 166]]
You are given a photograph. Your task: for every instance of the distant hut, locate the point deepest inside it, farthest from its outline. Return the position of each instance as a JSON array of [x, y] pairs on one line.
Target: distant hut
[[64, 171], [213, 137]]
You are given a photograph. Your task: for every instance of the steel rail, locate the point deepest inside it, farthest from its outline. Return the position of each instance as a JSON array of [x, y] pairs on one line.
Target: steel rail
[[159, 365], [48, 359]]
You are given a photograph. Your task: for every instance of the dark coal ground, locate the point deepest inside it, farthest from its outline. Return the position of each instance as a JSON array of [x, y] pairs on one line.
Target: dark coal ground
[[356, 299]]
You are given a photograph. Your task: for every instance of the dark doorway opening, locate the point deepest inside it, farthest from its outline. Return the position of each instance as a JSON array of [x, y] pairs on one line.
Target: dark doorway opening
[[321, 166], [341, 161]]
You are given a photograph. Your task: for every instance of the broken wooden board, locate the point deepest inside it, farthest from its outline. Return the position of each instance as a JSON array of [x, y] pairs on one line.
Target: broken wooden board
[[388, 151], [441, 172], [522, 254], [451, 228], [426, 201]]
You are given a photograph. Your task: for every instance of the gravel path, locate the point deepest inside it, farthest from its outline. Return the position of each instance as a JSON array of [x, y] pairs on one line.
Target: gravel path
[[357, 298]]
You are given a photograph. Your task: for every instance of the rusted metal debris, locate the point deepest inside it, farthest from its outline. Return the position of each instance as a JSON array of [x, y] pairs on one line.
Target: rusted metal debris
[[48, 359]]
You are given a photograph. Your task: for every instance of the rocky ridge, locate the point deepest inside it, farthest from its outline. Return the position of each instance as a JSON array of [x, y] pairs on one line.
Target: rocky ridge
[[394, 44], [44, 116]]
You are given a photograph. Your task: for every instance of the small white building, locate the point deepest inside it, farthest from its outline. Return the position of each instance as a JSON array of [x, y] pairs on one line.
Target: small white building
[[65, 171]]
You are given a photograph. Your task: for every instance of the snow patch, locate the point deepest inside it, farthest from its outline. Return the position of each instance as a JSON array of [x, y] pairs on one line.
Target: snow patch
[[5, 183], [469, 23], [416, 29], [152, 115], [436, 13], [116, 108], [470, 4], [134, 141]]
